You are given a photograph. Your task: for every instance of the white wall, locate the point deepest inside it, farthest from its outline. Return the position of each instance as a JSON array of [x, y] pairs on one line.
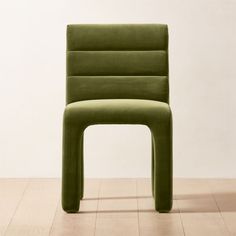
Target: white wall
[[202, 80]]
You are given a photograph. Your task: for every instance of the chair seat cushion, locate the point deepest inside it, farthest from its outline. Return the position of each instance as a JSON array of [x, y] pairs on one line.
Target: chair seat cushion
[[117, 111]]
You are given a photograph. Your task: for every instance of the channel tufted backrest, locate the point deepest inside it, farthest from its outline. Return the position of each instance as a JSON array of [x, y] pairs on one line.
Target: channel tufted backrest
[[117, 61]]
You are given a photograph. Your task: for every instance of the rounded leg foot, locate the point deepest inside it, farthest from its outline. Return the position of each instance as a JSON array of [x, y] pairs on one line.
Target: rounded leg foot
[[71, 209], [164, 206]]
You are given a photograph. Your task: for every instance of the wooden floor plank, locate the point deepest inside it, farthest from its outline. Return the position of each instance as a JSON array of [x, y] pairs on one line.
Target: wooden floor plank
[[224, 192], [11, 193], [82, 223], [117, 225], [36, 211], [117, 188], [151, 222], [154, 223], [117, 208], [194, 196], [203, 224], [199, 212]]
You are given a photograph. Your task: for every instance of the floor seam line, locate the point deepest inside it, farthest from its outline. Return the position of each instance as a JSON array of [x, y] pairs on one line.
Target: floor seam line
[[26, 187], [99, 189], [136, 189], [218, 207], [181, 219], [54, 216]]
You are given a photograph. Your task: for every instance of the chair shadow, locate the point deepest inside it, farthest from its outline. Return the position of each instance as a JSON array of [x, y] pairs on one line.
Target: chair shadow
[[219, 201], [185, 203], [117, 198]]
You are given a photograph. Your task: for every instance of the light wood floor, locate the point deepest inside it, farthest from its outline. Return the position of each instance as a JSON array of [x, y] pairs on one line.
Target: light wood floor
[[118, 207]]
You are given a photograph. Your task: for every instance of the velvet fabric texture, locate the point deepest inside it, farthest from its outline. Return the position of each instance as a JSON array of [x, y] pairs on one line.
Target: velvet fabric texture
[[117, 74]]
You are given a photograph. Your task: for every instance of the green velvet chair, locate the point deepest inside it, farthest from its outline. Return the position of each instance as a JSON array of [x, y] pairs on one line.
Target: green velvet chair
[[117, 74]]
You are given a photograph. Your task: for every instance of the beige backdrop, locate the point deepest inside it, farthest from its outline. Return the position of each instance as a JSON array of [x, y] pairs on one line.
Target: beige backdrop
[[202, 82]]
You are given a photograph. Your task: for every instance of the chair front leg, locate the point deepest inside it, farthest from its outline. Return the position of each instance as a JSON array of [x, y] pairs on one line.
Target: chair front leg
[[71, 168], [152, 165], [162, 136], [81, 166]]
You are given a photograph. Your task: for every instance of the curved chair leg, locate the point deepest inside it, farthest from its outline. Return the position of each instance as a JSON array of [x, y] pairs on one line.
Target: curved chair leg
[[81, 166], [71, 176], [152, 167], [163, 166]]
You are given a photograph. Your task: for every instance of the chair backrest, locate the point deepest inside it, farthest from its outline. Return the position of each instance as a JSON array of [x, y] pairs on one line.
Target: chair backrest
[[111, 61]]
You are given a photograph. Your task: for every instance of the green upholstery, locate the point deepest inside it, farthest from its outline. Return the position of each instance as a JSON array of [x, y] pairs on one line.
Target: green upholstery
[[146, 87], [117, 74]]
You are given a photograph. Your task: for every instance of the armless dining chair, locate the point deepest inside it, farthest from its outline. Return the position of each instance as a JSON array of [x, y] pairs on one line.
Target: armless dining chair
[[117, 74]]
